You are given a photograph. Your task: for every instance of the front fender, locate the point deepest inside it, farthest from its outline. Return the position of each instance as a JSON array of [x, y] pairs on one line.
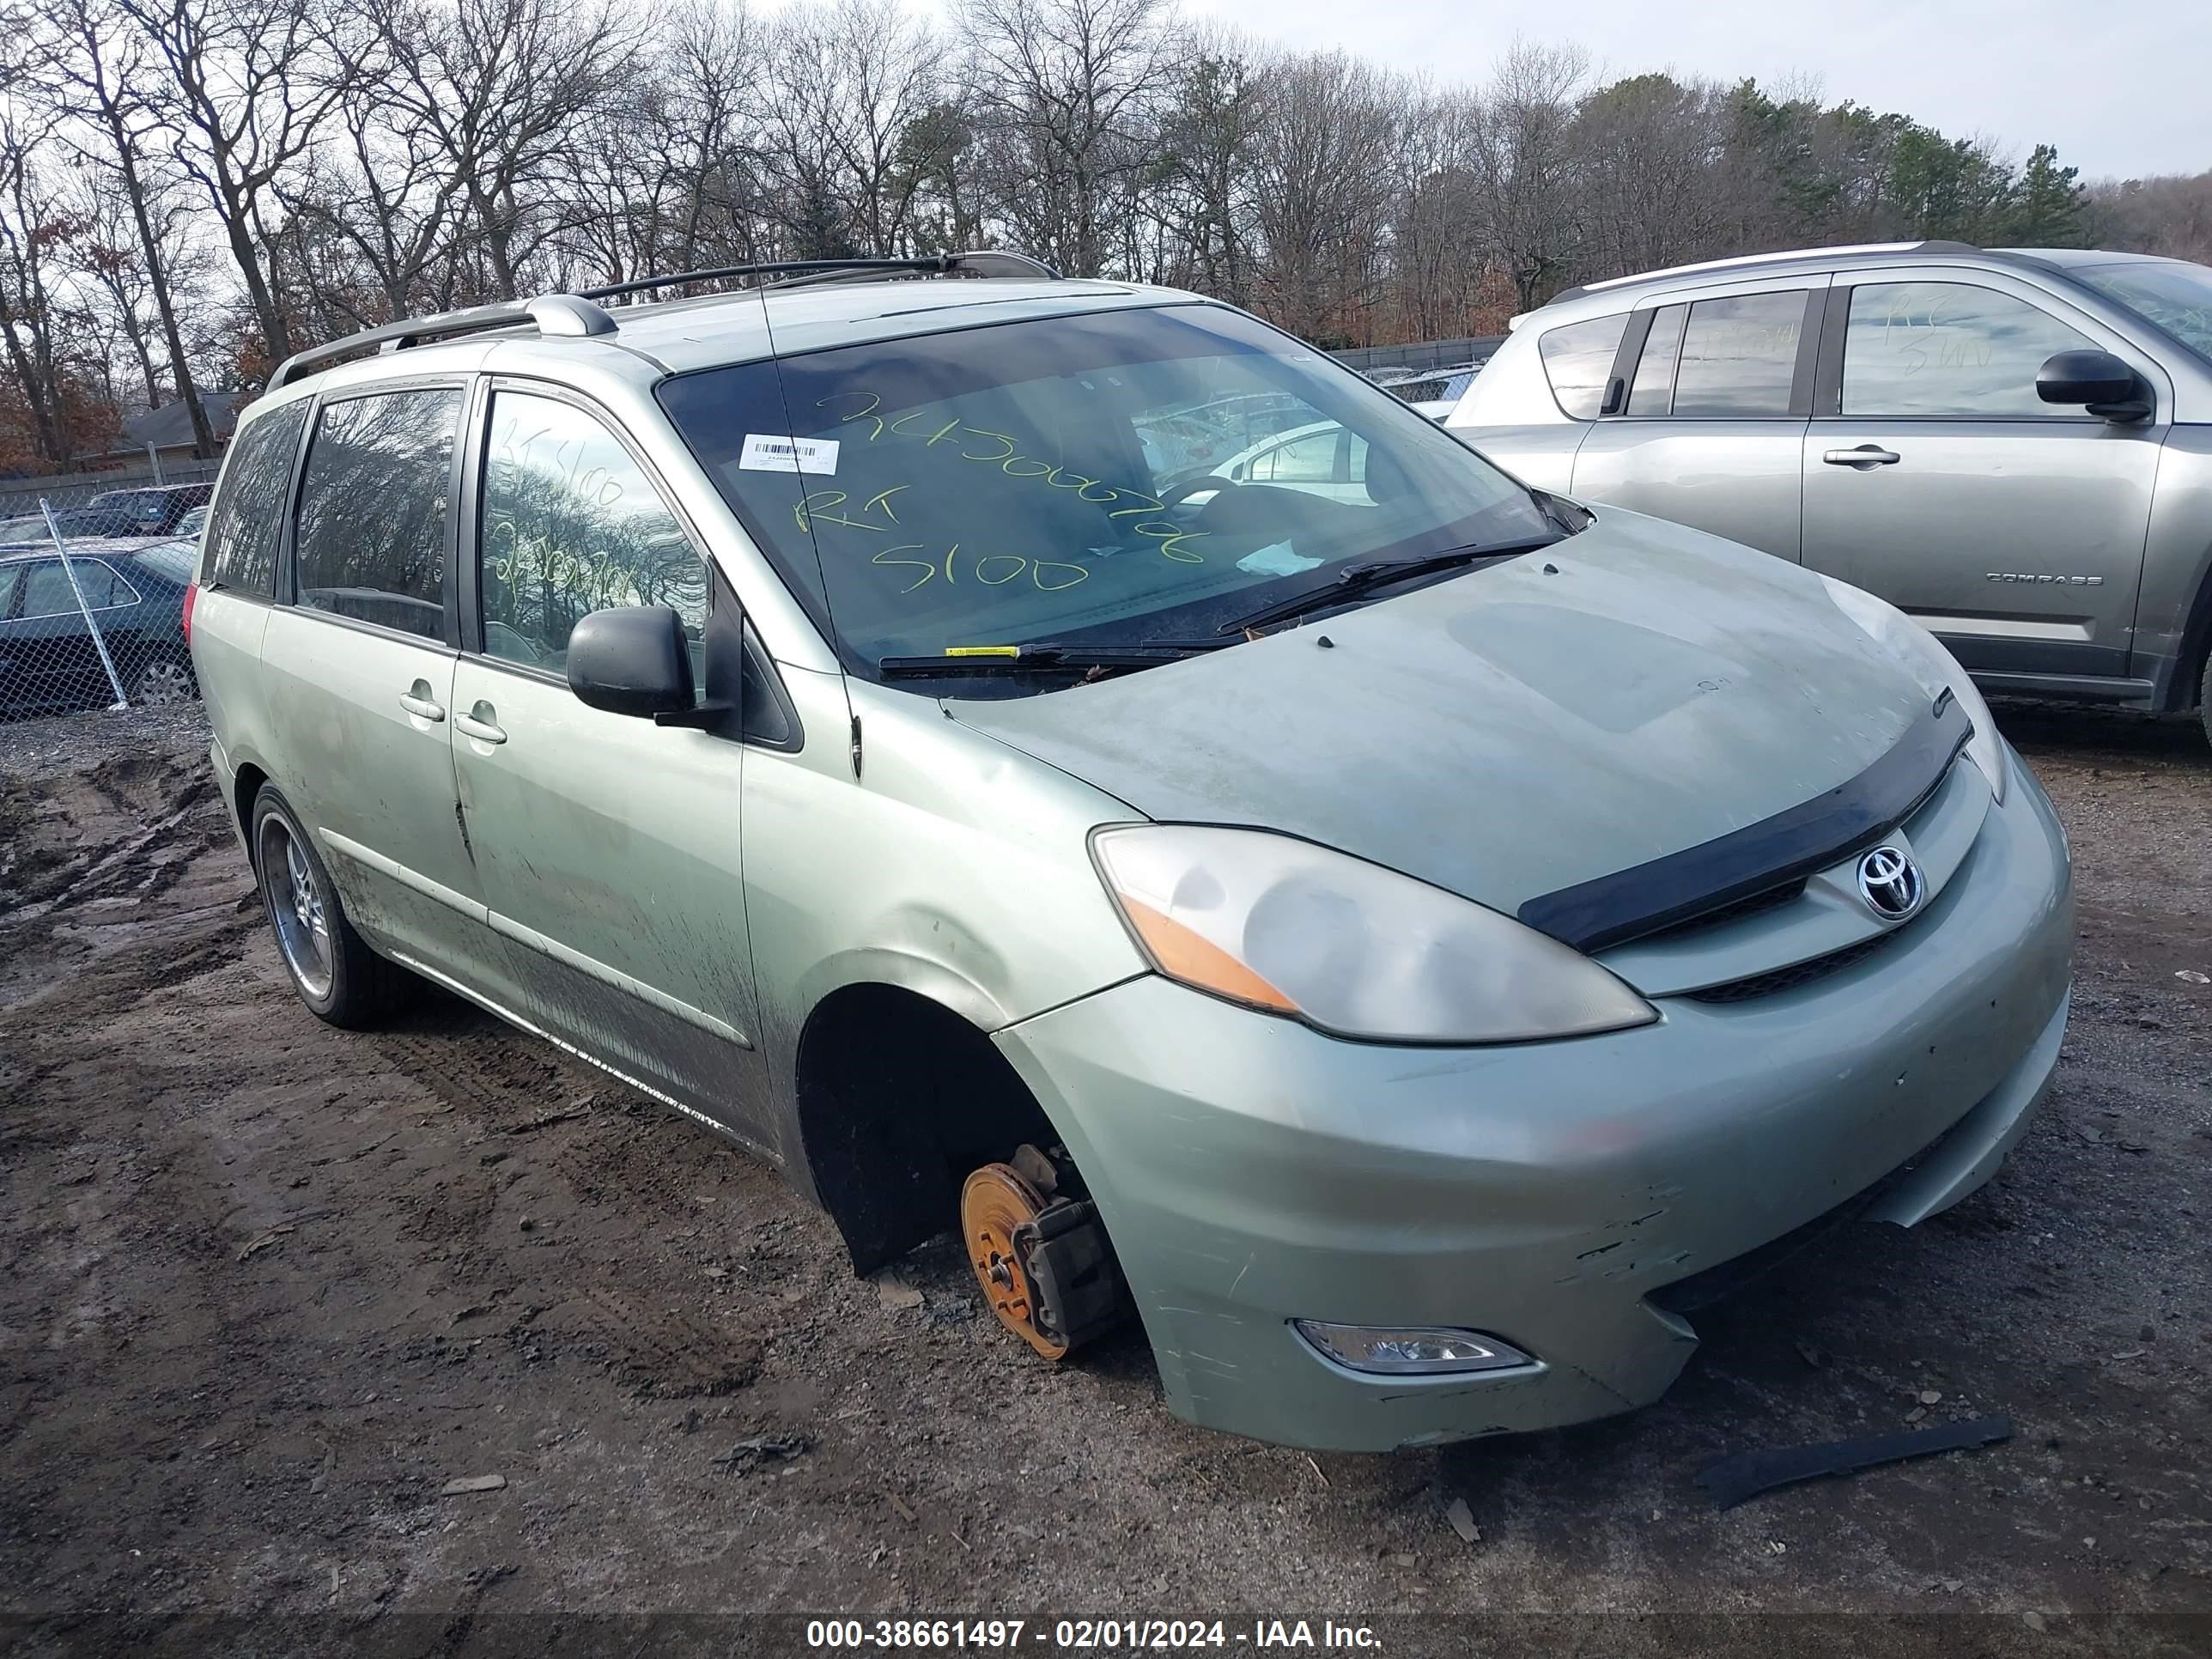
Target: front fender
[[951, 866]]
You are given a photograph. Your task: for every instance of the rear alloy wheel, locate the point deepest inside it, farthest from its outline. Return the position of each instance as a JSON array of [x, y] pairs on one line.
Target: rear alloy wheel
[[2204, 697], [337, 975], [164, 683]]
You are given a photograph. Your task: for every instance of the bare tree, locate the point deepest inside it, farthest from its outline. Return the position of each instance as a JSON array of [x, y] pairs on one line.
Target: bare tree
[[1209, 144], [1322, 168], [33, 222], [2171, 215], [193, 187], [708, 73], [100, 66], [1525, 166], [1438, 254], [386, 187], [1069, 90], [248, 82], [106, 253], [503, 89], [1650, 186]]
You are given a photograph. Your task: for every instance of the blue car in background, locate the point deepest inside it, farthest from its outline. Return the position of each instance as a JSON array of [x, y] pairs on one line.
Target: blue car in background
[[133, 590]]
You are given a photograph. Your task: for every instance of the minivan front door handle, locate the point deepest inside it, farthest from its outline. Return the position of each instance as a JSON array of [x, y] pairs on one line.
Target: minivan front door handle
[[1864, 456], [478, 723], [417, 701]]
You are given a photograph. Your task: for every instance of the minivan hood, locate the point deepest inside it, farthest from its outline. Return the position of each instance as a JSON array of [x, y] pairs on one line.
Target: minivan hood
[[1635, 690]]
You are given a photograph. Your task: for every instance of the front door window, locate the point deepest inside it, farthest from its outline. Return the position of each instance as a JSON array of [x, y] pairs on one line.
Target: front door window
[[1936, 350]]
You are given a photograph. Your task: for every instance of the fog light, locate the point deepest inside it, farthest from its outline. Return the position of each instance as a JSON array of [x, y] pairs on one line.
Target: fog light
[[1393, 1350]]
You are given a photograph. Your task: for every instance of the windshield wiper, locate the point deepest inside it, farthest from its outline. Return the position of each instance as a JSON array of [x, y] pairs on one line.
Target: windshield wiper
[[1046, 657], [1356, 579]]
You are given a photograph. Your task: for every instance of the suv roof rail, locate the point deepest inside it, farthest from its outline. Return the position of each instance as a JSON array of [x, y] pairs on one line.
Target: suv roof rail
[[558, 315], [1776, 258], [579, 316]]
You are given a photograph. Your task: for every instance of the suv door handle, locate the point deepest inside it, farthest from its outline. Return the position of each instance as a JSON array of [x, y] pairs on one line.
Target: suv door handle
[[417, 701], [1864, 456], [477, 724]]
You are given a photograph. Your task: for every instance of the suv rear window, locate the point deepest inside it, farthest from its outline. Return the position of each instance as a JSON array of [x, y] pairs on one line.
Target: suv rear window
[[1739, 356], [248, 520], [1578, 362], [372, 509]]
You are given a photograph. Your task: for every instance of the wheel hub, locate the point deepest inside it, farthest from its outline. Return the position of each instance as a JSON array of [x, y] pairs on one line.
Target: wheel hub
[[995, 1201]]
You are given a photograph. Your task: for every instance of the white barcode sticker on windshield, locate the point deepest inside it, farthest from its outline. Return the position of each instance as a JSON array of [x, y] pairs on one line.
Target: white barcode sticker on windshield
[[775, 451]]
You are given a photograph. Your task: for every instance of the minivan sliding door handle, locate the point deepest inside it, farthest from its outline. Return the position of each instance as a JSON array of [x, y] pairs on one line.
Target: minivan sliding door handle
[[479, 724], [1864, 456]]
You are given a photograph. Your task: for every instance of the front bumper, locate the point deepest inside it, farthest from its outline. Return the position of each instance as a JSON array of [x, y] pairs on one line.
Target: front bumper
[[1251, 1170]]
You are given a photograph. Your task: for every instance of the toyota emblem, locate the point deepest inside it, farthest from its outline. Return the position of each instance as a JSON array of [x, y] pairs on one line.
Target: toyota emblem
[[1891, 883]]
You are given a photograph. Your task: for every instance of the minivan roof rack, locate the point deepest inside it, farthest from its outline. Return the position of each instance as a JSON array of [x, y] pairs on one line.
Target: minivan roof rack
[[982, 262], [556, 315], [579, 316]]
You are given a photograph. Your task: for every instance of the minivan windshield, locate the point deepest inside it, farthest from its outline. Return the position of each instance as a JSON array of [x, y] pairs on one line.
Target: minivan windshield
[[2173, 293], [1117, 478]]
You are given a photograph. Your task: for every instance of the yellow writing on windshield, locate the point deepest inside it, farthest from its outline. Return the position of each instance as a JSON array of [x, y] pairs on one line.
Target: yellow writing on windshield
[[989, 569], [985, 447]]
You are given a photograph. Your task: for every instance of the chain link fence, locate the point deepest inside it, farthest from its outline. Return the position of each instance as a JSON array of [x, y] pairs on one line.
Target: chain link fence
[[92, 578], [1422, 357]]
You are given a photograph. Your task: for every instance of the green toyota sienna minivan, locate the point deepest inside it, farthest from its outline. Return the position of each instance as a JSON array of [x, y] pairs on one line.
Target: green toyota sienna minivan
[[1408, 937]]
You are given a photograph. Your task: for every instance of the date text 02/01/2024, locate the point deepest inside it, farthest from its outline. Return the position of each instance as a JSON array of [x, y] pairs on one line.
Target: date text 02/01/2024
[[1078, 1635]]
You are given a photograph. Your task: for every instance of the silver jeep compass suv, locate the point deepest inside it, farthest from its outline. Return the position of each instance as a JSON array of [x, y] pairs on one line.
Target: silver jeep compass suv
[[2013, 445]]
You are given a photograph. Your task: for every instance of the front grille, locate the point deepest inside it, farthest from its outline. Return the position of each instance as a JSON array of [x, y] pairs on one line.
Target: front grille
[[1797, 974]]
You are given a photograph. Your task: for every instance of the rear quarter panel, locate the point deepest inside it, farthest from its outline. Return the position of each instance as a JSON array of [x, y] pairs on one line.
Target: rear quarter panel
[[1509, 414], [226, 649]]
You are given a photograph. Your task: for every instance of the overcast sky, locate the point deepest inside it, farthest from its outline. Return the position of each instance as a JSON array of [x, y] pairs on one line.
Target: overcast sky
[[2118, 87]]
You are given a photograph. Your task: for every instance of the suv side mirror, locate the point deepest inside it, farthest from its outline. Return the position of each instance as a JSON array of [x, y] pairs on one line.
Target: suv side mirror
[[633, 660], [2107, 386]]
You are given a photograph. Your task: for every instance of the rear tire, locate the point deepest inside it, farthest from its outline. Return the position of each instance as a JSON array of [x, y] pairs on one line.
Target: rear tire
[[331, 967], [166, 683], [2204, 695]]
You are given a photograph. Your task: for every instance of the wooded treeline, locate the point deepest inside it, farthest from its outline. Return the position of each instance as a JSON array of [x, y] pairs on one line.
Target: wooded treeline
[[191, 189]]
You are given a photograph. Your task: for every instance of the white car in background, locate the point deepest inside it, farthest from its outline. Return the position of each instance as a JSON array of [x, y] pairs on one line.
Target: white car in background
[[1321, 459]]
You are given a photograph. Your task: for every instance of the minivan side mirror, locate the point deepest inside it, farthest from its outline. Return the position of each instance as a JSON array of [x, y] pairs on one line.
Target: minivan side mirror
[[2098, 379], [635, 660]]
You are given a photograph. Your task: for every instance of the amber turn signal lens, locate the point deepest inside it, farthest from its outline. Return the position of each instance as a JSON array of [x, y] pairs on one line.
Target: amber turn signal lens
[[1182, 954]]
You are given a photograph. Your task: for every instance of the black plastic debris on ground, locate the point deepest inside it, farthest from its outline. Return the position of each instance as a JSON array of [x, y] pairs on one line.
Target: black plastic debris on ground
[[1747, 1474], [764, 1448]]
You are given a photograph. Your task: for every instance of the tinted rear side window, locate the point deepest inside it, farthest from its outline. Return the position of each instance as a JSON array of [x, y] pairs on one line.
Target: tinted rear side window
[[372, 509], [1739, 356], [1578, 360], [246, 525], [47, 591], [1653, 393]]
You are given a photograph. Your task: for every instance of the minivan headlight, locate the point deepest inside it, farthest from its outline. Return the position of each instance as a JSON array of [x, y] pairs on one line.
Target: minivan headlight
[[1933, 666], [1357, 950]]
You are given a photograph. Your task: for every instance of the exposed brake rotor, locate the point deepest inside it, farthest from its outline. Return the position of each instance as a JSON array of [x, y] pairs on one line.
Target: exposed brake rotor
[[1040, 1251], [995, 1203]]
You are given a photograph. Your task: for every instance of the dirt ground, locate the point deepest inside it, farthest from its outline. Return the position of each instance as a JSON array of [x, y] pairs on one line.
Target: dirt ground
[[265, 1289]]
